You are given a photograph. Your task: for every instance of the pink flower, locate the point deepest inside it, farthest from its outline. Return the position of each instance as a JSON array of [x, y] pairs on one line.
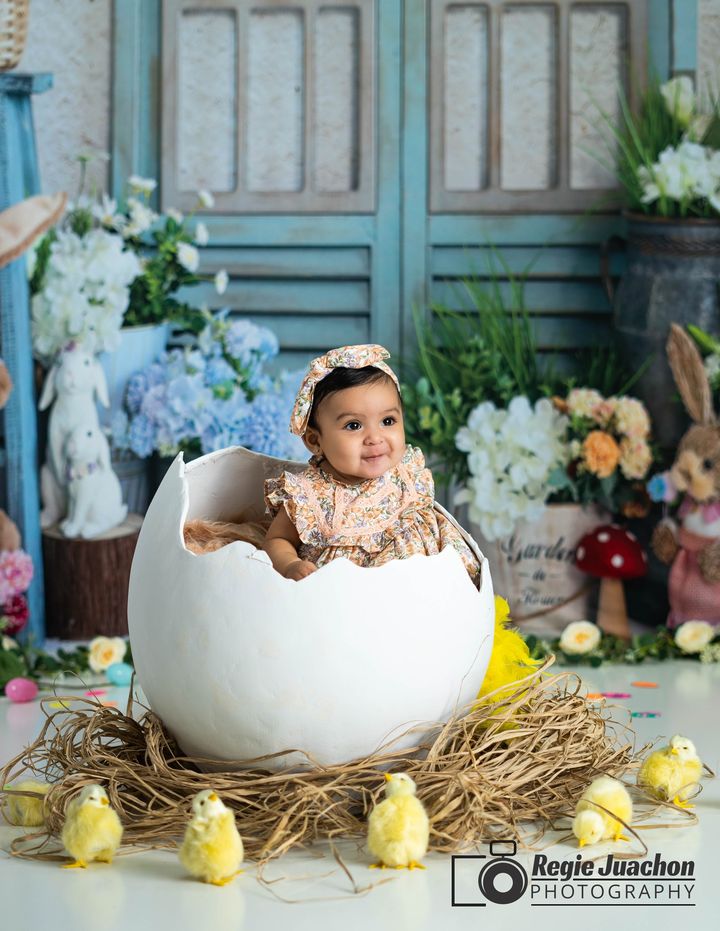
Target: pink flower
[[16, 572], [15, 613]]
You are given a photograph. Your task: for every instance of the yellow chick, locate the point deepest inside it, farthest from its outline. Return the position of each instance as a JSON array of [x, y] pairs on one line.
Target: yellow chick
[[398, 827], [26, 810], [212, 849], [92, 829], [591, 824], [510, 659], [672, 772]]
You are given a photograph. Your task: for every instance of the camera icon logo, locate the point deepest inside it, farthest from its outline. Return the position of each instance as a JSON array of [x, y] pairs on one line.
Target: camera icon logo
[[478, 879]]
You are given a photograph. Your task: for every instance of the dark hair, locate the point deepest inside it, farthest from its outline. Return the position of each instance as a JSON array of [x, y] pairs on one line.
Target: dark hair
[[341, 378]]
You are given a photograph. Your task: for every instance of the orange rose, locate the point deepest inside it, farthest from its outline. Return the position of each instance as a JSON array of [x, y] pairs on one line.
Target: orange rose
[[601, 453]]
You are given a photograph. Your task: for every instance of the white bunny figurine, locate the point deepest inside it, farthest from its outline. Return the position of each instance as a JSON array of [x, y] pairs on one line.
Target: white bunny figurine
[[95, 497], [75, 377]]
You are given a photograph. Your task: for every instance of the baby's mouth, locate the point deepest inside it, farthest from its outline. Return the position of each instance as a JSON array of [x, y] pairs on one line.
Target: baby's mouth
[[373, 458]]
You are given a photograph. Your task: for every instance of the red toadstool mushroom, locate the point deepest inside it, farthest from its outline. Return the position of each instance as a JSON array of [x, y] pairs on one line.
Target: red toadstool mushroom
[[612, 555]]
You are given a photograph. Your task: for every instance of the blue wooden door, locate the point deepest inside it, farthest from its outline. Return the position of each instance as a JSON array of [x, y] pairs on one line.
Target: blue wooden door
[[366, 154], [295, 128]]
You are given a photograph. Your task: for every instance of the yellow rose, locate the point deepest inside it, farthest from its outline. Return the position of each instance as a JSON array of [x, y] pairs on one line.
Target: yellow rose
[[694, 636], [580, 637], [104, 651]]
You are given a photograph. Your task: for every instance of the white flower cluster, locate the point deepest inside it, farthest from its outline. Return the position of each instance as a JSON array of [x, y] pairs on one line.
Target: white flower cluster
[[511, 453], [686, 173], [85, 293]]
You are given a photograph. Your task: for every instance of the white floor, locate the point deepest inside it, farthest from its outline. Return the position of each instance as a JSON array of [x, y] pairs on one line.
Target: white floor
[[149, 890]]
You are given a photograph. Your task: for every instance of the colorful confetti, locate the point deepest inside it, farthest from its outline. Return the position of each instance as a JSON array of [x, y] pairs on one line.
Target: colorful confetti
[[616, 694], [58, 704], [645, 685], [645, 714], [594, 696], [95, 693], [109, 704]]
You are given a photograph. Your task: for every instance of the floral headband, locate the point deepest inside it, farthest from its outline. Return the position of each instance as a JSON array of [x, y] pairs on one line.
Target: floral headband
[[349, 357]]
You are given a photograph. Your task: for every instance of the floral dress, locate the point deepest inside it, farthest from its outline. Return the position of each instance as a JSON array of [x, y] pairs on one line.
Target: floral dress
[[371, 523]]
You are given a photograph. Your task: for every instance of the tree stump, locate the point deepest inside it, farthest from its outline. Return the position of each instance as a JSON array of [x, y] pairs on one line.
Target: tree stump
[[86, 581]]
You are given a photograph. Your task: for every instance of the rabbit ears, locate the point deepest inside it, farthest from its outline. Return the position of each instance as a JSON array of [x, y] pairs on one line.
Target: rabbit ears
[[98, 383], [690, 377]]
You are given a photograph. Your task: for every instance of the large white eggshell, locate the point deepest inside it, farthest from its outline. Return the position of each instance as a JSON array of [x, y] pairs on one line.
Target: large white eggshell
[[240, 662]]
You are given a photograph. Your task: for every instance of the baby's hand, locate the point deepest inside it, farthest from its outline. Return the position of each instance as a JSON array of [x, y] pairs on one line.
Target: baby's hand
[[300, 569]]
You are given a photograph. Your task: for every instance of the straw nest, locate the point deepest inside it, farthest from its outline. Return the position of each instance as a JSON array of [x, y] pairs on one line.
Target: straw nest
[[508, 768]]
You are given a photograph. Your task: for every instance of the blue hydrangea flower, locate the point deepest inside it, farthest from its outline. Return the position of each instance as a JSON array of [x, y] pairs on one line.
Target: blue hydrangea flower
[[266, 429], [217, 371], [141, 436]]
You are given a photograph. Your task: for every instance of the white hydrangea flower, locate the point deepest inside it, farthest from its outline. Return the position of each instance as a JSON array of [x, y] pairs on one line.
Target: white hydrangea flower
[[511, 454], [188, 256]]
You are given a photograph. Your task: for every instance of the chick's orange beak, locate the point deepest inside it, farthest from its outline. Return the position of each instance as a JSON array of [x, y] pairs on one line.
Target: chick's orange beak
[[674, 751], [212, 797], [104, 801], [582, 842], [388, 777]]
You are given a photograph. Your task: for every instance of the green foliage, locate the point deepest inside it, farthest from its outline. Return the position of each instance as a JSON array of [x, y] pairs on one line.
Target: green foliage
[[656, 646], [35, 663]]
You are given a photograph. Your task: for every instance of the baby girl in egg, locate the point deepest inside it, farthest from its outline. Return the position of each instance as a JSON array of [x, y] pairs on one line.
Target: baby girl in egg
[[366, 495]]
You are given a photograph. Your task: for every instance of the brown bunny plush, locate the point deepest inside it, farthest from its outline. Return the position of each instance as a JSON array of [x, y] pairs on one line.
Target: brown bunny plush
[[694, 547]]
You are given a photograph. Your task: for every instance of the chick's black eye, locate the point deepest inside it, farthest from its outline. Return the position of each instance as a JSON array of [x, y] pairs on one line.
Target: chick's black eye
[[707, 464]]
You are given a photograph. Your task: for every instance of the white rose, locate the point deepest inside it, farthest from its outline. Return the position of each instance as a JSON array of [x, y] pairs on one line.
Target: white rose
[[8, 643], [580, 637], [679, 97], [694, 636], [221, 281], [206, 199], [104, 651], [202, 236], [188, 256]]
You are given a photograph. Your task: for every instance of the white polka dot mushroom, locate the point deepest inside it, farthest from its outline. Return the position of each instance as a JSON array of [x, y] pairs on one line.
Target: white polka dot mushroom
[[612, 555]]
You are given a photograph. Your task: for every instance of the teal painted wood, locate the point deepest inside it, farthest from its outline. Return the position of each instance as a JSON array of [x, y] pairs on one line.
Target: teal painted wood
[[416, 237], [684, 36], [385, 298], [18, 179], [659, 38], [136, 91], [277, 262], [339, 297]]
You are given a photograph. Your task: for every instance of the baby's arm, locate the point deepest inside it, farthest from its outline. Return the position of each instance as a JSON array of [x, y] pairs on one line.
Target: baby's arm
[[281, 545]]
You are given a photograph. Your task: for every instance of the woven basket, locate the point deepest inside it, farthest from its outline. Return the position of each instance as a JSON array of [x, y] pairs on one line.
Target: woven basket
[[13, 31]]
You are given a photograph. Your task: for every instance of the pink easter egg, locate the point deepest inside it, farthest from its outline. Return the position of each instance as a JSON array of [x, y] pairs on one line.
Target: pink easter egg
[[21, 689]]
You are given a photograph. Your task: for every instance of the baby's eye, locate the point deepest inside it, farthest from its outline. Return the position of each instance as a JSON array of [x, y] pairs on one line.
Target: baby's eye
[[388, 421], [352, 425]]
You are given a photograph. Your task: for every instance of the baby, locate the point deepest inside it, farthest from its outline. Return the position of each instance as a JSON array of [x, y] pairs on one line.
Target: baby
[[366, 495]]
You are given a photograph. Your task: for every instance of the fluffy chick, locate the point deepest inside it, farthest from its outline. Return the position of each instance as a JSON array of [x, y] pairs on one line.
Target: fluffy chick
[[591, 824], [398, 827], [672, 772], [27, 810], [92, 829], [510, 659], [212, 849]]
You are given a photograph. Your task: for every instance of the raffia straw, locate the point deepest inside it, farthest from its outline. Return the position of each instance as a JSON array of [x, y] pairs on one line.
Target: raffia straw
[[510, 767]]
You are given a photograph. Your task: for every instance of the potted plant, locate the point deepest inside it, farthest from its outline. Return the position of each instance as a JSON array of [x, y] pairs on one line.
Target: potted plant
[[537, 460], [153, 257], [668, 165]]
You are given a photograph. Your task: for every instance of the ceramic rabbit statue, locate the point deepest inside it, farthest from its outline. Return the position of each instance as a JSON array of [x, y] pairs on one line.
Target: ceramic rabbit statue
[[693, 548], [94, 496], [74, 379]]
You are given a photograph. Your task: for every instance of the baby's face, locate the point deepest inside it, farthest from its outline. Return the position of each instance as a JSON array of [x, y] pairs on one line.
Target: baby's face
[[360, 431]]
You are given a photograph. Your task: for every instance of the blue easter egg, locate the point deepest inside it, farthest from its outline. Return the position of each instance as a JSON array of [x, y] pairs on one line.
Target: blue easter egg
[[119, 673]]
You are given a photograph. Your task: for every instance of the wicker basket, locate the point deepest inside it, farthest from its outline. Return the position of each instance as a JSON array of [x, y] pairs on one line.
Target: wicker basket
[[13, 31]]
